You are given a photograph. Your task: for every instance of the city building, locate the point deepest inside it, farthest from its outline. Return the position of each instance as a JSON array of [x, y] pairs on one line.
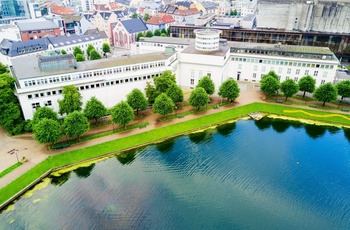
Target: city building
[[125, 32], [40, 81], [37, 28]]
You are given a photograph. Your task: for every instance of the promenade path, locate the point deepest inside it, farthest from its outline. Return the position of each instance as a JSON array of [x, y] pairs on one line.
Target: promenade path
[[36, 153]]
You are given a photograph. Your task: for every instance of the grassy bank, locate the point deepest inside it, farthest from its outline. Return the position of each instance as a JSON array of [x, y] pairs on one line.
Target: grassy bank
[[10, 169], [163, 133]]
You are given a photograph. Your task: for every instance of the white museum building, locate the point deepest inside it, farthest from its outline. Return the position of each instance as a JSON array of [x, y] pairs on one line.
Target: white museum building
[[40, 81]]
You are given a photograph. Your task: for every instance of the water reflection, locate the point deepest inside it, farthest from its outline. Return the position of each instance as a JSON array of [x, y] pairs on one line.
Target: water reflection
[[166, 145], [347, 133], [226, 129], [263, 124], [280, 126], [333, 129], [84, 172], [60, 180], [200, 137], [127, 157], [315, 131]]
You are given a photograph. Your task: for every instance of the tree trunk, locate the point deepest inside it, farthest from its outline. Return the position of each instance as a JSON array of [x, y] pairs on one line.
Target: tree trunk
[[137, 112], [304, 94], [323, 103], [286, 98]]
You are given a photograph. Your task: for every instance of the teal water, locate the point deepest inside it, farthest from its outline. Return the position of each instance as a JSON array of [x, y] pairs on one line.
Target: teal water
[[270, 174]]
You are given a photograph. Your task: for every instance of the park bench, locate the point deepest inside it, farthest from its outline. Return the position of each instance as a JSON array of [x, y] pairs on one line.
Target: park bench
[[60, 146], [180, 116], [345, 109], [142, 126], [279, 101], [313, 105], [216, 106]]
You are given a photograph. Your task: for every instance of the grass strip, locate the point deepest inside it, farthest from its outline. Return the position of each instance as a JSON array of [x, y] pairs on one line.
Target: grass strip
[[10, 169], [155, 135]]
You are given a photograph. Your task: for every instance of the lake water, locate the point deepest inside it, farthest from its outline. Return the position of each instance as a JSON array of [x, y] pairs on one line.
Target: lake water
[[270, 174]]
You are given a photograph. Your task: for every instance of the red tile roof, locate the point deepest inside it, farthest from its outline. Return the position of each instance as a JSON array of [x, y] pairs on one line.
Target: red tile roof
[[61, 10], [167, 18]]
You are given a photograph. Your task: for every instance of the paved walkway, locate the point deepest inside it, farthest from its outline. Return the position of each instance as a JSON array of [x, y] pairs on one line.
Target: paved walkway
[[36, 153]]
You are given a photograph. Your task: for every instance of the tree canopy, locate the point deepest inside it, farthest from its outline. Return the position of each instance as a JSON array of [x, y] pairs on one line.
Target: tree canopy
[[149, 34], [139, 35], [137, 100], [146, 17], [134, 15], [94, 109], [151, 93], [175, 93], [326, 93], [122, 114], [89, 49], [75, 124], [3, 68], [198, 98], [163, 105], [269, 85], [229, 89], [72, 100], [343, 88], [307, 84], [272, 74], [63, 52], [289, 88], [79, 57], [207, 84], [44, 112], [47, 131], [77, 50], [94, 55], [106, 48], [157, 32], [163, 81], [163, 31]]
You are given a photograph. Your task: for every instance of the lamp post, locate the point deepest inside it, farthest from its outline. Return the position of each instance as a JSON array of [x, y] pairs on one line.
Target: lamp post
[[16, 151], [113, 126]]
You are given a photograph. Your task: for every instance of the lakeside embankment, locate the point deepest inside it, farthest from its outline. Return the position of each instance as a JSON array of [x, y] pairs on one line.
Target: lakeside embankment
[[159, 134]]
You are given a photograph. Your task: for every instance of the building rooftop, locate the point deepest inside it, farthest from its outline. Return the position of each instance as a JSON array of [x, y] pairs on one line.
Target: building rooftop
[[31, 68], [134, 25], [35, 24], [167, 40], [222, 51]]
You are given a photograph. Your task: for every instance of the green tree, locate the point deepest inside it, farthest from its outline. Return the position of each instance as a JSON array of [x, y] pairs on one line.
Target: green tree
[[272, 74], [79, 58], [163, 35], [343, 88], [163, 105], [229, 89], [3, 68], [151, 93], [149, 34], [44, 112], [76, 51], [307, 84], [269, 85], [198, 98], [157, 32], [94, 55], [163, 81], [146, 17], [326, 93], [122, 114], [94, 109], [175, 93], [134, 15], [89, 49], [289, 88], [139, 35], [137, 100], [207, 84], [163, 31], [47, 131], [75, 124], [72, 100], [63, 52], [234, 13], [106, 48]]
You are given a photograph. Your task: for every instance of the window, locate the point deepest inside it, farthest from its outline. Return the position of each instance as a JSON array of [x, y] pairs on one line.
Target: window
[[30, 96], [192, 81], [325, 74], [315, 73], [296, 79], [297, 72], [47, 103], [35, 105], [254, 75], [289, 70], [306, 72], [323, 81], [209, 75], [280, 70]]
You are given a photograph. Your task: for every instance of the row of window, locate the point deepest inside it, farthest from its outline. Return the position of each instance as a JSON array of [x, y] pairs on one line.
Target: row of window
[[70, 77], [93, 86], [38, 31], [37, 104], [287, 63]]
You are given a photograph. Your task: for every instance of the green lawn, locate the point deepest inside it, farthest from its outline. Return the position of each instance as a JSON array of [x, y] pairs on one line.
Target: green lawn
[[10, 169], [156, 135]]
